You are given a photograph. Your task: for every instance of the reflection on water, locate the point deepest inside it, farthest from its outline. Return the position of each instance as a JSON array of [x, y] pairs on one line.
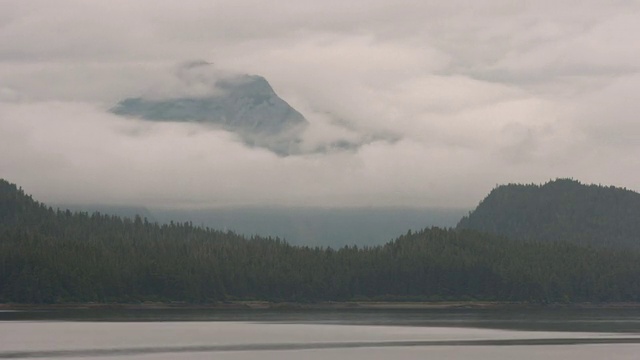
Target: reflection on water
[[341, 334], [278, 347]]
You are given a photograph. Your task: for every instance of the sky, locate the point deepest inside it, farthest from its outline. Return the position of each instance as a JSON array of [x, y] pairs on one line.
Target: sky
[[448, 99]]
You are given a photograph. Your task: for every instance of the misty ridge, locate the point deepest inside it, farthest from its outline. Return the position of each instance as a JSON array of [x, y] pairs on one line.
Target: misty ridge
[[245, 105]]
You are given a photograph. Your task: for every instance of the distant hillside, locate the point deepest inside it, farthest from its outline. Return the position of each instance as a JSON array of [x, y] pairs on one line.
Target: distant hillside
[[560, 210]]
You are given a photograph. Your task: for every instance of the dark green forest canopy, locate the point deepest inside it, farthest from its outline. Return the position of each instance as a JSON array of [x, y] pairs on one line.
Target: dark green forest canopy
[[52, 256], [560, 210]]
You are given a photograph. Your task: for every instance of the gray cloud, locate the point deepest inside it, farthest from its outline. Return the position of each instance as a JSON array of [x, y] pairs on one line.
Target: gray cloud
[[448, 98]]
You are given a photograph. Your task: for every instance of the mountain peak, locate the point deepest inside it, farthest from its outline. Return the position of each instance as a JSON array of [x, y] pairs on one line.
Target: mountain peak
[[244, 104]]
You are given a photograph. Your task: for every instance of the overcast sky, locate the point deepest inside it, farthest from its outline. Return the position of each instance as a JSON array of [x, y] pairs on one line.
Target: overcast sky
[[474, 94]]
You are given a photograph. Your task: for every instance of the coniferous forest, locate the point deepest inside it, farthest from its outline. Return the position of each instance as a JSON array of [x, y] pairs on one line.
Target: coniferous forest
[[54, 256], [560, 210]]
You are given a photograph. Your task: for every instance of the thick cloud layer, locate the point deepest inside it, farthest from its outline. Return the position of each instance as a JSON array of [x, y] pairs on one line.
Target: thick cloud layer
[[448, 99]]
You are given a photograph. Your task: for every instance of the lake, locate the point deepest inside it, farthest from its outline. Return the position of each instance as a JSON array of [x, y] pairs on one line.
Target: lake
[[320, 334]]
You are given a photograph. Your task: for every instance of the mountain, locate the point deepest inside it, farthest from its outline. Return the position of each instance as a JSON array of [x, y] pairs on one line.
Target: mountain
[[243, 104], [560, 210]]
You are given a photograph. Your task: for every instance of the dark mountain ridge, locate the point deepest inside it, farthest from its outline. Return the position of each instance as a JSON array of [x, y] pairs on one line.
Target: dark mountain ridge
[[49, 256], [560, 210]]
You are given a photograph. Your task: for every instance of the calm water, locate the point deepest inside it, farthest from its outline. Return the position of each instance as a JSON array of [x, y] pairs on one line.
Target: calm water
[[356, 334]]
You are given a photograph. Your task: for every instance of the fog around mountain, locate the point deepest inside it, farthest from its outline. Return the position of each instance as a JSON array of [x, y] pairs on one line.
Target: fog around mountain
[[243, 104]]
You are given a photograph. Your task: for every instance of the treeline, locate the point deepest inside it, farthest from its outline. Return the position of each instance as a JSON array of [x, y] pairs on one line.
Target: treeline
[[49, 256], [560, 210]]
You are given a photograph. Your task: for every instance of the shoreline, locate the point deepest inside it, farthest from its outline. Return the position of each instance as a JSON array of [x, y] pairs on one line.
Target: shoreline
[[348, 305]]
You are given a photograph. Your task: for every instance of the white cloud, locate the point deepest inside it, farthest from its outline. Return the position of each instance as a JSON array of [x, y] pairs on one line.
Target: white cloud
[[450, 98]]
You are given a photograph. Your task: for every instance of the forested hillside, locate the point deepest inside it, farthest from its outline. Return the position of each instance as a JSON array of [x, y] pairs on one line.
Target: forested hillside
[[49, 256], [560, 210]]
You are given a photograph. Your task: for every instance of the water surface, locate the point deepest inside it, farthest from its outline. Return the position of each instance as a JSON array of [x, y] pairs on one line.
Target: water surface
[[342, 334]]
